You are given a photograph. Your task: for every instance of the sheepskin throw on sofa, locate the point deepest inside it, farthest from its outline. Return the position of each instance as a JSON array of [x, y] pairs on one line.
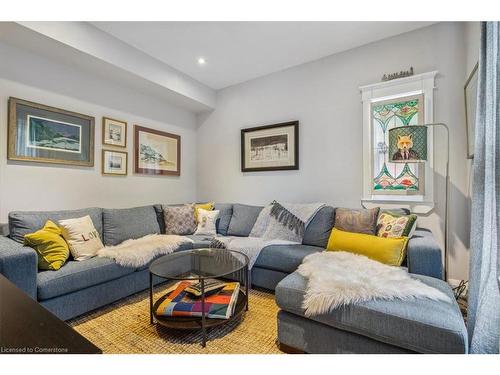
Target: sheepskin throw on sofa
[[139, 252], [338, 278]]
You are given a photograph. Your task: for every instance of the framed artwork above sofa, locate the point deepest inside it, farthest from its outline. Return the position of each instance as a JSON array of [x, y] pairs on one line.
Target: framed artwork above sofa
[[156, 152], [270, 147], [39, 133]]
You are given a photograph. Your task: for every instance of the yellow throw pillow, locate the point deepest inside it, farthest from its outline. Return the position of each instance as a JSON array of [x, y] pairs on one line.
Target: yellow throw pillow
[[205, 206], [390, 251], [52, 249]]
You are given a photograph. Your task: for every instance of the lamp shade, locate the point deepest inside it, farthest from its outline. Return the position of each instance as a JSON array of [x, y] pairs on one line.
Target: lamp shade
[[408, 144]]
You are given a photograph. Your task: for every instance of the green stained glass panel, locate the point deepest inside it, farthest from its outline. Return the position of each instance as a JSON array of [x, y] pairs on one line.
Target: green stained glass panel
[[391, 177]]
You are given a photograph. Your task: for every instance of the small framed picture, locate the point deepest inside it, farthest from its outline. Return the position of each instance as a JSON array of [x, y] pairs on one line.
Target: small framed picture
[[114, 163], [270, 147], [114, 132]]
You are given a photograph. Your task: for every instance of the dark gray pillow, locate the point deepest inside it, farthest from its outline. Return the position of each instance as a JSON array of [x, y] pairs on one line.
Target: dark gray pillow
[[243, 219], [24, 222], [357, 221], [225, 213], [318, 231], [123, 224]]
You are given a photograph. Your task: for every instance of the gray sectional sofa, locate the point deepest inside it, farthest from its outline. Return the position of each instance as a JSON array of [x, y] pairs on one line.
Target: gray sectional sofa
[[79, 287]]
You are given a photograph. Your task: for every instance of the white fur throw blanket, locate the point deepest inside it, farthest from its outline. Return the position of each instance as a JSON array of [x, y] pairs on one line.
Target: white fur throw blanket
[[277, 224], [139, 252], [337, 278]]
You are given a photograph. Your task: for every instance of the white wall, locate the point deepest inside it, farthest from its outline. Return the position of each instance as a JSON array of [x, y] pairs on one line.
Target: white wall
[[34, 186], [472, 44], [323, 95]]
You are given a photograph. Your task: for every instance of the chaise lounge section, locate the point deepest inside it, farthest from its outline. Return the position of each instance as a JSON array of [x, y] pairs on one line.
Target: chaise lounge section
[[375, 327]]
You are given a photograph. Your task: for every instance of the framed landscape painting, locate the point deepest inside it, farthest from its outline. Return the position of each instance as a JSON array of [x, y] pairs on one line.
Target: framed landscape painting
[[156, 152], [114, 162], [40, 133], [114, 132], [270, 148]]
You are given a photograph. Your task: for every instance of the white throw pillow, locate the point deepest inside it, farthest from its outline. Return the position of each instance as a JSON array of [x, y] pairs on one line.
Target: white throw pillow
[[82, 237], [206, 222]]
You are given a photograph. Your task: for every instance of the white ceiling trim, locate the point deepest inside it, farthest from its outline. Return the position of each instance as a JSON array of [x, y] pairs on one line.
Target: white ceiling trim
[[156, 76]]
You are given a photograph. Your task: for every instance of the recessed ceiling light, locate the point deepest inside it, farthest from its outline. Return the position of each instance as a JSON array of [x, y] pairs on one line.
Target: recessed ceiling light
[[202, 61]]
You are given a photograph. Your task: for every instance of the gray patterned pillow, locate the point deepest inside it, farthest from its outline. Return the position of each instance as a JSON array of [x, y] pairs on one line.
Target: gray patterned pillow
[[357, 221], [179, 219]]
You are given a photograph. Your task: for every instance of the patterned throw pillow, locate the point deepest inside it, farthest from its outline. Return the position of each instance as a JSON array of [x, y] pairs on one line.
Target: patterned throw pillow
[[356, 221], [205, 206], [390, 225], [206, 222], [179, 219]]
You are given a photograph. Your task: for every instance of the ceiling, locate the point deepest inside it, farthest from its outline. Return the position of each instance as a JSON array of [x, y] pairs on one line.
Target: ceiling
[[239, 51]]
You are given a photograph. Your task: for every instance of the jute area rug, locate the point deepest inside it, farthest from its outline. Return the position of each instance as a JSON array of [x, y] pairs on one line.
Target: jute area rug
[[123, 328]]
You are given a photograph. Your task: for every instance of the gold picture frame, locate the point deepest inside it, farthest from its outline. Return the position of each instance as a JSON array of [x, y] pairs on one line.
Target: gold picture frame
[[43, 134], [114, 132], [107, 167]]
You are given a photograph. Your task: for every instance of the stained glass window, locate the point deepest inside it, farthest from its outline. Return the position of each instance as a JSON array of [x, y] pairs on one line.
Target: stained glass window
[[395, 178]]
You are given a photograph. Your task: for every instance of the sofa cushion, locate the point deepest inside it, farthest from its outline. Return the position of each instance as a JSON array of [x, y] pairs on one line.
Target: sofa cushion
[[225, 213], [284, 258], [318, 230], [420, 325], [123, 224], [77, 275], [243, 219], [24, 222]]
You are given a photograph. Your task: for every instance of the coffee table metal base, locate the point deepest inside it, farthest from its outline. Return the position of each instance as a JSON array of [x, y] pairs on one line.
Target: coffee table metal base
[[191, 323]]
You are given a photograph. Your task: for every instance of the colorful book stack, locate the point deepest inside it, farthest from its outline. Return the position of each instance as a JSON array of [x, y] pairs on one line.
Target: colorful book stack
[[219, 305]]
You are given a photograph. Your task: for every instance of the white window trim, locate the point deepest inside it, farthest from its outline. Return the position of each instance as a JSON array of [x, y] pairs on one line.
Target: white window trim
[[416, 84]]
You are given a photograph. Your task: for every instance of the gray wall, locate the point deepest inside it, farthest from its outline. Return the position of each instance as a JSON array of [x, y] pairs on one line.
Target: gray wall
[[323, 95], [33, 186]]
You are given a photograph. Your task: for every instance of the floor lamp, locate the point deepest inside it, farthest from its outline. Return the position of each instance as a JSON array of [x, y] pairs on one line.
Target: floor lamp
[[408, 144]]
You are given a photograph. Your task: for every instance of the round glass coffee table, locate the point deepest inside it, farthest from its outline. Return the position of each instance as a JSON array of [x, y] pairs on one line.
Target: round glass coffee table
[[200, 265]]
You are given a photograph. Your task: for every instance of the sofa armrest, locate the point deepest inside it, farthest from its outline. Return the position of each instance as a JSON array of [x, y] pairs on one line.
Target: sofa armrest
[[424, 255], [19, 264]]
